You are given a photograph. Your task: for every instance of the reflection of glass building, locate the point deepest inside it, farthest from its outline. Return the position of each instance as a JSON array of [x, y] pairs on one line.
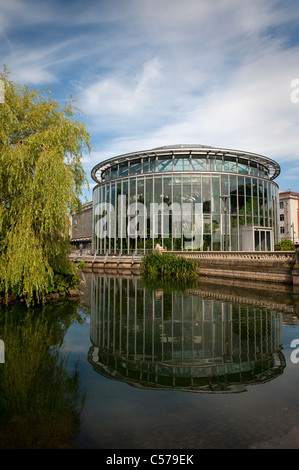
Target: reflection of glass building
[[169, 340], [235, 190]]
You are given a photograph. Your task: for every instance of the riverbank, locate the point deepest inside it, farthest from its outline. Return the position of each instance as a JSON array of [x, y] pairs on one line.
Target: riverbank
[[281, 267]]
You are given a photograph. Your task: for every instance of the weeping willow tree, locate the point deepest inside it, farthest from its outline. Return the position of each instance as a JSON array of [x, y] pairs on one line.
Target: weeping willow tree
[[41, 181]]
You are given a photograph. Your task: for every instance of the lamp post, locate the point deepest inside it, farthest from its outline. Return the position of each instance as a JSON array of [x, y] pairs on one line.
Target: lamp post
[[293, 230], [225, 198]]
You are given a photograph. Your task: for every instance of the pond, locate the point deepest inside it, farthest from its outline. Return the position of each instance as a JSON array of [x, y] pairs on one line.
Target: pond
[[146, 366]]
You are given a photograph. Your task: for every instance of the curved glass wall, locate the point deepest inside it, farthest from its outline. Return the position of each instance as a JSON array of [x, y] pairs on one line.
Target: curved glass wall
[[196, 200], [252, 204], [181, 162], [164, 339]]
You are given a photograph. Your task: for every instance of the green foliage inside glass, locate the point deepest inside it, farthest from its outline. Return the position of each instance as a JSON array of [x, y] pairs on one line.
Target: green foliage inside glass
[[41, 181]]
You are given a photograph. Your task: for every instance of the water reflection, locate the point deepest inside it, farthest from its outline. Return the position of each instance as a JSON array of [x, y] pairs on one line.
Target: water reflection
[[40, 403], [166, 339]]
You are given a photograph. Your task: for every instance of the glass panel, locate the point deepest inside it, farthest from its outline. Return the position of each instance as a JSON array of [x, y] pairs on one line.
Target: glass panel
[[132, 197], [186, 195], [158, 189], [216, 224], [123, 169], [257, 240], [114, 172], [266, 203], [253, 168], [199, 164], [207, 224], [196, 182], [233, 204], [140, 190], [157, 199], [219, 163], [176, 226], [145, 165], [124, 220], [243, 166], [224, 185], [107, 174], [118, 222], [165, 164], [268, 241], [148, 192], [263, 241], [211, 163], [167, 189], [248, 187], [230, 164], [182, 163], [167, 199], [135, 167], [152, 164], [206, 194], [216, 194], [261, 203]]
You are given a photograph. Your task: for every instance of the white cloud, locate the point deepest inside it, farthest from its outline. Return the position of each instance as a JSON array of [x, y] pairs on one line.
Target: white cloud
[[152, 72]]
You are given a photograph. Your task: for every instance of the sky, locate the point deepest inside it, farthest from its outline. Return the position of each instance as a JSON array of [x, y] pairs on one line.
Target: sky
[[149, 73]]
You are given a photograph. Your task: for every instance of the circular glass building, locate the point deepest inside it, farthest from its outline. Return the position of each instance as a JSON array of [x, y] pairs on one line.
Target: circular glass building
[[185, 197]]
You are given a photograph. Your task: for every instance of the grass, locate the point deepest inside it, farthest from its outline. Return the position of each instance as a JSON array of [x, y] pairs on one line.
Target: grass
[[168, 267]]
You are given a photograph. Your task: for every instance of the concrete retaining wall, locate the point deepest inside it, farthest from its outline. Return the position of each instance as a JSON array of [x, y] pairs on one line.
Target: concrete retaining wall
[[275, 267]]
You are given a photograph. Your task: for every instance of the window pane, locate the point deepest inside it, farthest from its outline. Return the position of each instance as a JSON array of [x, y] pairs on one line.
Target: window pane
[[123, 169], [165, 164], [199, 164], [206, 194], [114, 172], [243, 166], [167, 190], [196, 182], [253, 168], [216, 194], [140, 190], [219, 163], [135, 167], [230, 164], [182, 164]]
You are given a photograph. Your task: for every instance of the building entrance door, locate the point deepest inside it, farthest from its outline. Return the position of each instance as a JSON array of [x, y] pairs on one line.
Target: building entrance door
[[263, 239]]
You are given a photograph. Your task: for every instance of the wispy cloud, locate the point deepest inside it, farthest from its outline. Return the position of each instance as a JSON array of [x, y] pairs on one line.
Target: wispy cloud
[[152, 72]]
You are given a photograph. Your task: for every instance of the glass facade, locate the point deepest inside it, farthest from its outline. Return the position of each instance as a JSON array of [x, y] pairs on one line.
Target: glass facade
[[194, 201]]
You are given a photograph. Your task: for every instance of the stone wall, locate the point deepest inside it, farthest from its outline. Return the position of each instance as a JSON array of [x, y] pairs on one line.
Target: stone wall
[[272, 267], [81, 224]]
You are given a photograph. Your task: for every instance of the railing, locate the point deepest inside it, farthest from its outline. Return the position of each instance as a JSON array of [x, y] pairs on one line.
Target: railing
[[285, 256]]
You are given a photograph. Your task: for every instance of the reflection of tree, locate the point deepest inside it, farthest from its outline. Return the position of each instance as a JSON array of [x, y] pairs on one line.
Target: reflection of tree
[[39, 396]]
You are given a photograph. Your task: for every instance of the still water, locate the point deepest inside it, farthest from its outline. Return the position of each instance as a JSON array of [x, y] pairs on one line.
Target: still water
[[136, 366]]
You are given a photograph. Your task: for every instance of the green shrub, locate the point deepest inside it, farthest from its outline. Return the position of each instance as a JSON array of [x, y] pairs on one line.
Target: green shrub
[[286, 245], [168, 266]]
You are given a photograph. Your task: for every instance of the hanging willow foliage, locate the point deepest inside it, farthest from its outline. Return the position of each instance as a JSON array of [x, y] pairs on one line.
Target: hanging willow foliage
[[41, 181]]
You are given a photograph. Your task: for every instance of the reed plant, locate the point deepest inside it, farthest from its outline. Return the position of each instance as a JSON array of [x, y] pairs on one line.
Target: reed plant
[[167, 266]]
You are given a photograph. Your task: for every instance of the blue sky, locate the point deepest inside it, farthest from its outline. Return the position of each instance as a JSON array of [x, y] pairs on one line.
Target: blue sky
[[149, 73]]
